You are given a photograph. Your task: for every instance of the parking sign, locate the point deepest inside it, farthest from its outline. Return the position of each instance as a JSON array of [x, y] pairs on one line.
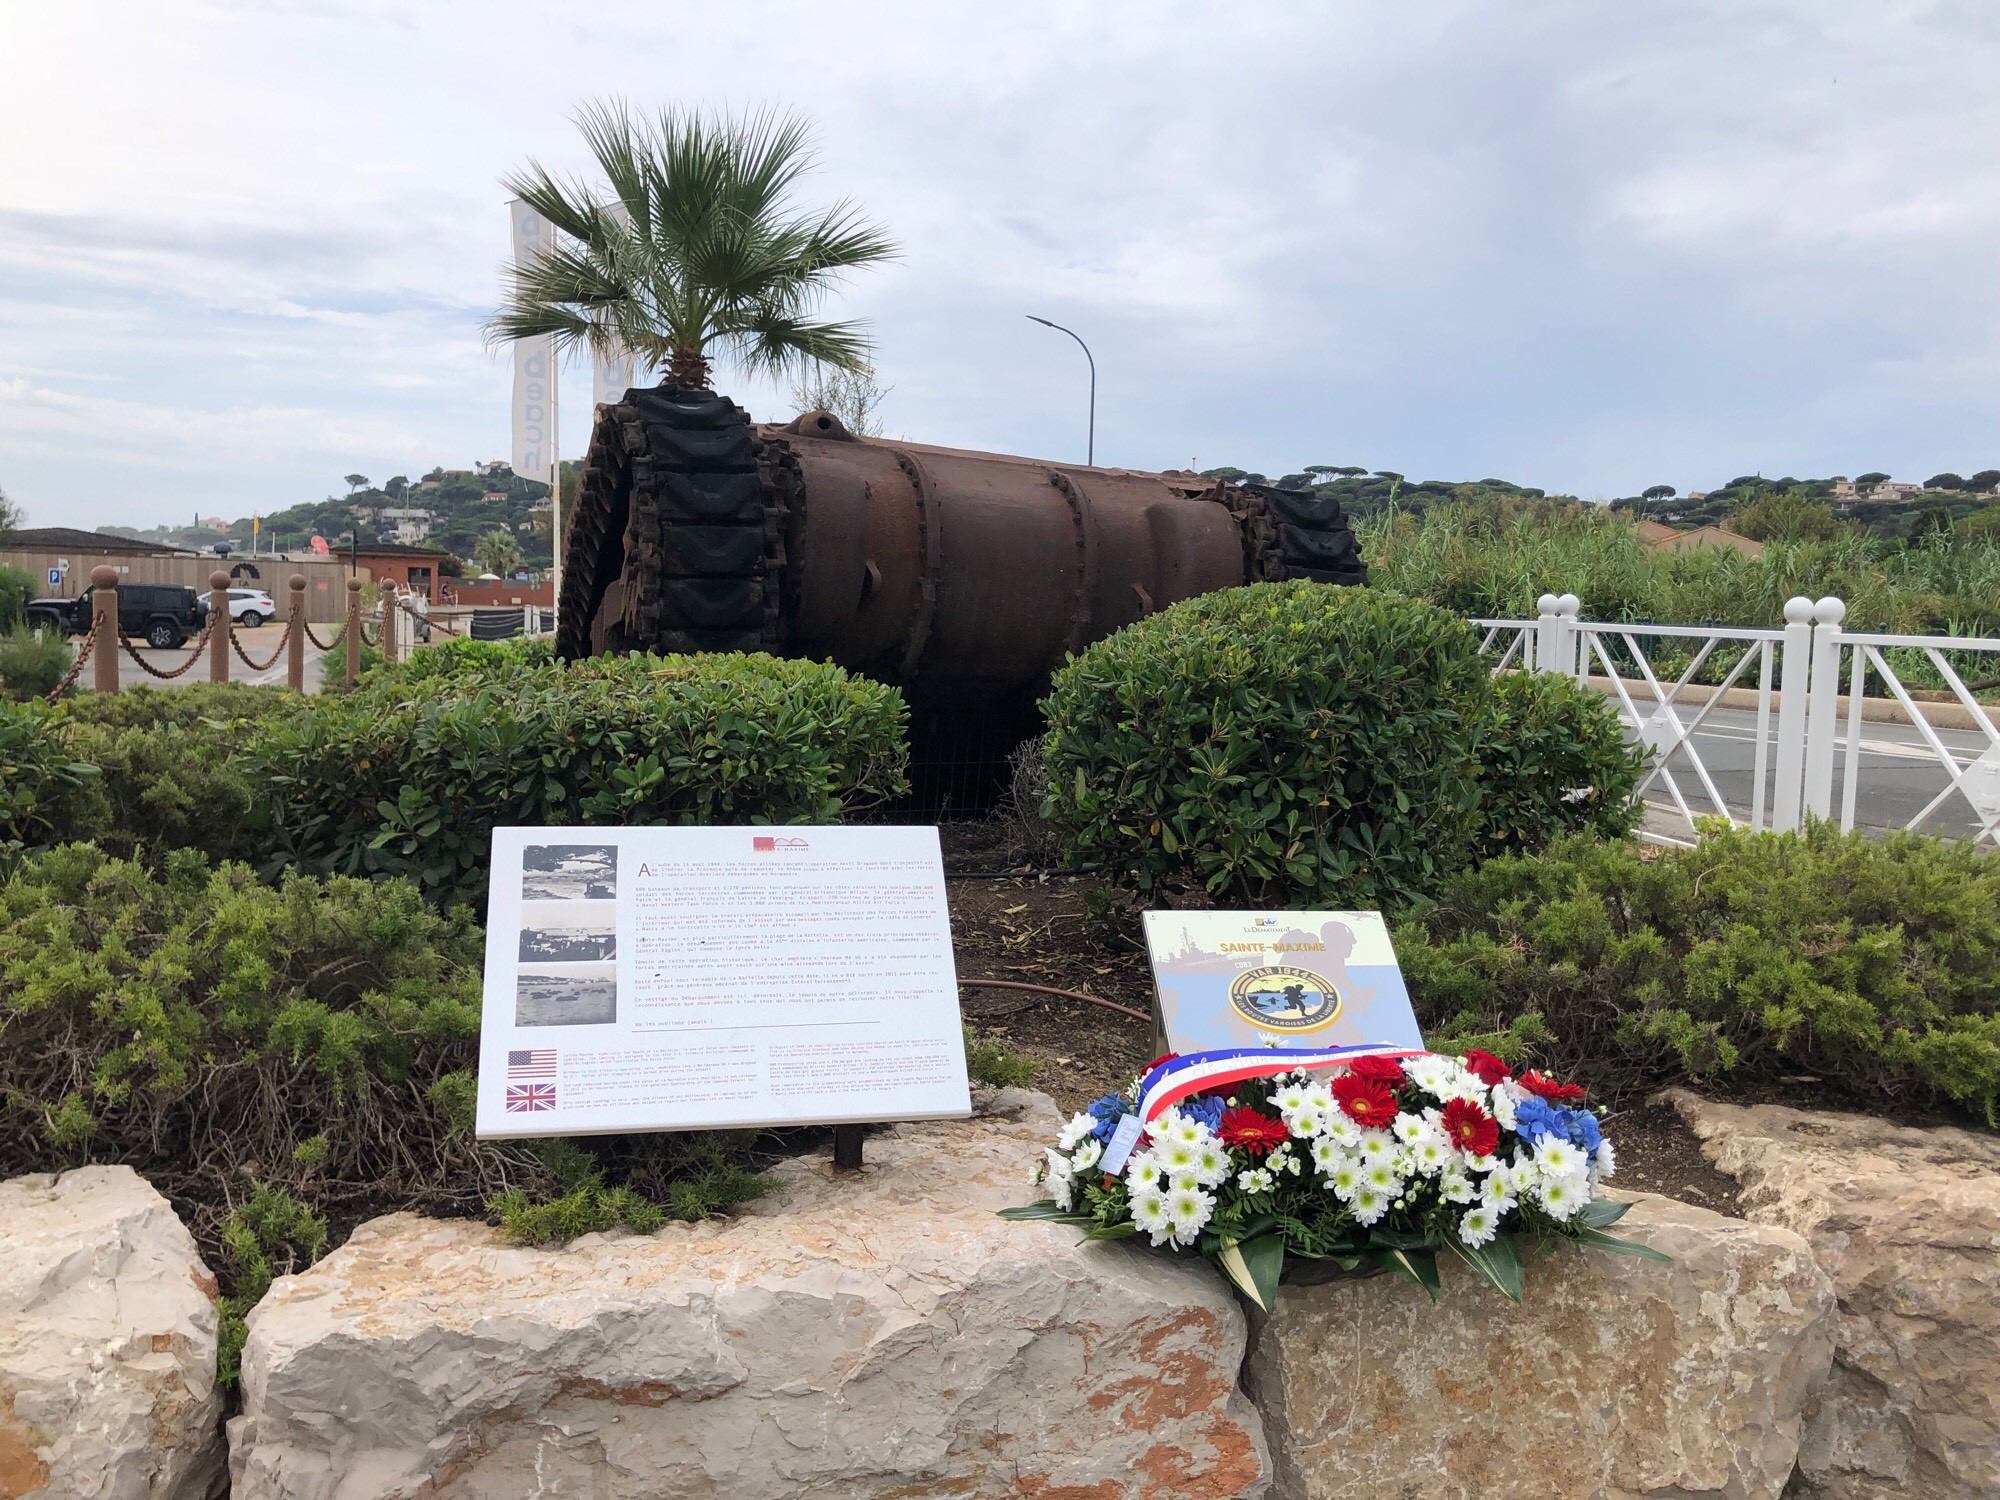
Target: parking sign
[[55, 578]]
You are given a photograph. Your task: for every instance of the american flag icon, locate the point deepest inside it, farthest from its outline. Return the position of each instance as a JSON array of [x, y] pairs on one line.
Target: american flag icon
[[541, 1063], [530, 1098]]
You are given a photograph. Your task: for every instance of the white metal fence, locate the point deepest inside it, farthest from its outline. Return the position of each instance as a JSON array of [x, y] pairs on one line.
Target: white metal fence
[[1928, 762]]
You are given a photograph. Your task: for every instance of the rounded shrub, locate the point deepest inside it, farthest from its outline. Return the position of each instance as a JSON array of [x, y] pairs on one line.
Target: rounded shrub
[[1296, 743], [1286, 741]]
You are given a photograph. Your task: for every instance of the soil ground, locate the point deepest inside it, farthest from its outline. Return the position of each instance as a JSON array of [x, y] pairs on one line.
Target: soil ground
[[1076, 932]]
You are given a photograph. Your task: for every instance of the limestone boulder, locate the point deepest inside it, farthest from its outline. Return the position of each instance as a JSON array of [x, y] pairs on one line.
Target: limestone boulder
[[1615, 1378], [1906, 1222], [855, 1338], [107, 1343]]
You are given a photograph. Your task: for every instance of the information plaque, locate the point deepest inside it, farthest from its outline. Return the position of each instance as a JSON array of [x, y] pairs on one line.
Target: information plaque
[[705, 978], [1277, 979]]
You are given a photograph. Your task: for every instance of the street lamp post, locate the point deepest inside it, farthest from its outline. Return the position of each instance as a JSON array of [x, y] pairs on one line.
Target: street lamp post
[[1090, 458]]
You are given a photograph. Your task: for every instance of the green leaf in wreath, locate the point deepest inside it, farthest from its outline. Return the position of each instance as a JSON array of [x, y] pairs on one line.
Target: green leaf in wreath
[[1045, 1210], [1602, 1213], [1254, 1265], [1497, 1261], [1597, 1239], [1420, 1266], [1117, 1231]]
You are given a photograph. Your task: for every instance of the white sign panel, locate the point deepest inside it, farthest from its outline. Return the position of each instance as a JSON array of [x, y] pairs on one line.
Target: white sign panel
[[1278, 979], [699, 978]]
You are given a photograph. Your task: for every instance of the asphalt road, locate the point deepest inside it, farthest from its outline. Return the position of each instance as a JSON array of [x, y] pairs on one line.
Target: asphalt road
[[1899, 775]]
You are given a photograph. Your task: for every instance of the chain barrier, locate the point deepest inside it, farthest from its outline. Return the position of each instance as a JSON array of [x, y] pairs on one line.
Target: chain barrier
[[200, 644], [236, 642], [446, 626], [338, 636], [75, 669]]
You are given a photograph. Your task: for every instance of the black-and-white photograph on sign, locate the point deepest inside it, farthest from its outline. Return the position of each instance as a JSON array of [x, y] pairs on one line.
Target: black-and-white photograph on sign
[[568, 932], [566, 994], [569, 872]]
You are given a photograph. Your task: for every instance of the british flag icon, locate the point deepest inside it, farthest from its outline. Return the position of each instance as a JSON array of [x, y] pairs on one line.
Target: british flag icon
[[529, 1098]]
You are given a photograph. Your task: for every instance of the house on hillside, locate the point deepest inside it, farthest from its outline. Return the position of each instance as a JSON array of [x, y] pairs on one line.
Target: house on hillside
[[1659, 538]]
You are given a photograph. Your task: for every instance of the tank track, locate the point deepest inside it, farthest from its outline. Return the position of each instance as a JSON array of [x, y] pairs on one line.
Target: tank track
[[697, 554], [1295, 534]]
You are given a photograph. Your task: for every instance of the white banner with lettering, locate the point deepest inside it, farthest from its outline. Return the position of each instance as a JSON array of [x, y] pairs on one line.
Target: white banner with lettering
[[534, 359], [612, 370]]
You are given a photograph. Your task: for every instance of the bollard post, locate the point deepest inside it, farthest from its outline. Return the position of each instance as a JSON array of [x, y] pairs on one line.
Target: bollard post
[[1823, 706], [388, 619], [1548, 627], [353, 630], [104, 628], [219, 626], [847, 1148], [1788, 777], [1569, 609], [295, 643]]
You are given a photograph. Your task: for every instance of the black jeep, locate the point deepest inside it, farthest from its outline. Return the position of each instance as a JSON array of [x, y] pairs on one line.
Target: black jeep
[[166, 614]]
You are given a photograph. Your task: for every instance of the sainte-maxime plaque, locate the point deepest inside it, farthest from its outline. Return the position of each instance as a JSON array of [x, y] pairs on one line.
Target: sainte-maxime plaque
[[684, 978]]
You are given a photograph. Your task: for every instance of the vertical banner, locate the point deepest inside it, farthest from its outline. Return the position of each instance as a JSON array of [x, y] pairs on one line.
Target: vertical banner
[[612, 369], [534, 359]]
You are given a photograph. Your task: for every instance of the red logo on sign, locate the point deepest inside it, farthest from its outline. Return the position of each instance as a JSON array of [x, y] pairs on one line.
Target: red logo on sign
[[763, 842]]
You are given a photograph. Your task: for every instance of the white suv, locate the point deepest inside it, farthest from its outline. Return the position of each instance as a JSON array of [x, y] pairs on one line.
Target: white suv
[[251, 607]]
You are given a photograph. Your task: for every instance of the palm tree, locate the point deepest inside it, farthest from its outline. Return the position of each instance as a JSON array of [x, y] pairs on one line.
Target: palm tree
[[697, 251], [497, 552]]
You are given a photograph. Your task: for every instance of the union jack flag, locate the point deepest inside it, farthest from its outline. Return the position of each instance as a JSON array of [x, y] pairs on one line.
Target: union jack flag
[[541, 1063], [530, 1098]]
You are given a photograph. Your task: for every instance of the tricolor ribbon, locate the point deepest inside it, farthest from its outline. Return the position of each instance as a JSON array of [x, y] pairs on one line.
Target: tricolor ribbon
[[1179, 1078]]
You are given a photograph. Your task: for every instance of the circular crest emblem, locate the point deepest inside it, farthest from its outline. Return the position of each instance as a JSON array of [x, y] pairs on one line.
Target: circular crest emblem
[[1283, 998]]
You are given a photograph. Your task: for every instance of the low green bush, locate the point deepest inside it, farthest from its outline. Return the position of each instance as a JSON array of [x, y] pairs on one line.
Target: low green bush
[[317, 1038], [173, 768], [1555, 761], [1296, 743], [409, 775], [1872, 964], [17, 587], [991, 1061], [32, 662], [37, 772], [271, 1234]]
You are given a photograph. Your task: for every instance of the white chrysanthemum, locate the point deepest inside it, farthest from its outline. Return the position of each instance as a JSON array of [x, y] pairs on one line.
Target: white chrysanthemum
[[1142, 1171], [1326, 1153], [1561, 1197], [1502, 1101], [1255, 1180], [1336, 1127], [1275, 1162], [1455, 1187], [1183, 1182], [1481, 1163], [1556, 1157], [1292, 1096], [1607, 1159], [1498, 1186], [1078, 1127], [1058, 1178], [1293, 1164], [1305, 1122], [1319, 1098], [1377, 1145], [1176, 1156], [1055, 1163], [1181, 1129], [1381, 1176], [1086, 1155], [1408, 1127], [1431, 1073], [1478, 1226], [1189, 1212], [1211, 1163], [1342, 1177], [1149, 1212], [1368, 1204]]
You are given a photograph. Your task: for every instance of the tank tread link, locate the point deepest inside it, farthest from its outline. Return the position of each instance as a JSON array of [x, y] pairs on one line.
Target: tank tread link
[[953, 572]]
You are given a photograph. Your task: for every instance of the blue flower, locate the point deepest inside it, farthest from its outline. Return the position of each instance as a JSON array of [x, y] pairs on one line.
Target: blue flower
[[1535, 1118], [1107, 1111], [1208, 1111], [1583, 1131]]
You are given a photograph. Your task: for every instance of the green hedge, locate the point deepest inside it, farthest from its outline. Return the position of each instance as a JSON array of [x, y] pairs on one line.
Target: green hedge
[[37, 770], [32, 662], [1297, 743], [316, 1039], [1872, 964], [409, 774]]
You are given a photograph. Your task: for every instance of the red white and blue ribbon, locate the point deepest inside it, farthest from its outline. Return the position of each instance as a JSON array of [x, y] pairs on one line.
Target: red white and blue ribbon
[[1179, 1078]]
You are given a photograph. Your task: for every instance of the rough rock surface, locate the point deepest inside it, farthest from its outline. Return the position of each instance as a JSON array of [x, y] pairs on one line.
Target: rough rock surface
[[856, 1339], [1907, 1223], [107, 1343], [1615, 1378]]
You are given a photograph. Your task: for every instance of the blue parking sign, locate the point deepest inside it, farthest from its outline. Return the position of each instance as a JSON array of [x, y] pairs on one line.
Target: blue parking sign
[[55, 578]]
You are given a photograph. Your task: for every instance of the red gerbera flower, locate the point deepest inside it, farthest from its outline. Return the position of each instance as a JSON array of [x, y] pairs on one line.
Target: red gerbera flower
[[1378, 1069], [1548, 1088], [1487, 1068], [1470, 1128], [1252, 1131], [1367, 1101]]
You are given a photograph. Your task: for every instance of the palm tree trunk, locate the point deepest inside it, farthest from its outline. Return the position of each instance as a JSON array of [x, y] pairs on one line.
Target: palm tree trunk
[[687, 370]]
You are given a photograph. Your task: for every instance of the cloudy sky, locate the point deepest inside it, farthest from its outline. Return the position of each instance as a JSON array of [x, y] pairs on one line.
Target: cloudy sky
[[246, 247]]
